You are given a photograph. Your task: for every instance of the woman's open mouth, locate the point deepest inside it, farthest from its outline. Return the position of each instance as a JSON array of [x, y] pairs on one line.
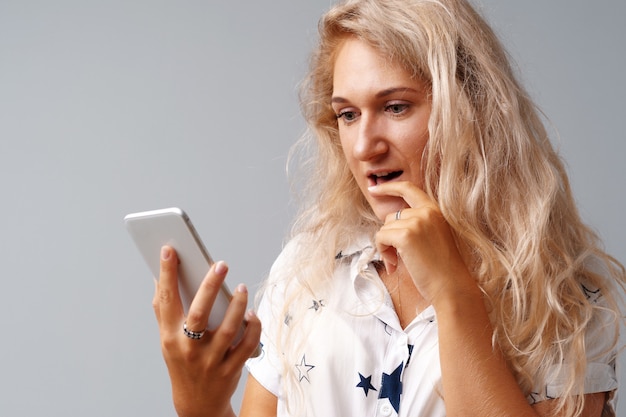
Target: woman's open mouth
[[383, 177]]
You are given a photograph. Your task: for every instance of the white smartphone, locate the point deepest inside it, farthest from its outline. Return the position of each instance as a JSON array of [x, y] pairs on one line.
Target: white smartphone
[[153, 229]]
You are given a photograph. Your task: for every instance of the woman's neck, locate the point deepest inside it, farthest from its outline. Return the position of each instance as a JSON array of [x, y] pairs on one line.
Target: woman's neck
[[407, 300]]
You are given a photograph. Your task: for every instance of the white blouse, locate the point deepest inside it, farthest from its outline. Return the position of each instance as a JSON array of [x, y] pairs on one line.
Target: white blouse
[[354, 358]]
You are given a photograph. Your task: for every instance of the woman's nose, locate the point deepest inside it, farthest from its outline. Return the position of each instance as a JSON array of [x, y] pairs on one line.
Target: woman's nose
[[370, 141]]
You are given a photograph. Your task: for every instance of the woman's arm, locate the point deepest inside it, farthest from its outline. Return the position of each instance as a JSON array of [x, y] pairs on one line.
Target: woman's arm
[[257, 401], [476, 379], [475, 376]]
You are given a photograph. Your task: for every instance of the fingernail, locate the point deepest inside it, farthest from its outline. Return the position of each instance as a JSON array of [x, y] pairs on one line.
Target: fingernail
[[221, 267], [242, 288], [165, 253], [250, 314]]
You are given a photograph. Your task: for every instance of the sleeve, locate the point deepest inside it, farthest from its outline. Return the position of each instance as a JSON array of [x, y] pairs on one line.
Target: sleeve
[[601, 375], [266, 368]]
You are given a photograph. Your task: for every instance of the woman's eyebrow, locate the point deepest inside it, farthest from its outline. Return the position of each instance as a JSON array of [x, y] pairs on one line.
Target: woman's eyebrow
[[380, 94], [394, 90], [336, 99]]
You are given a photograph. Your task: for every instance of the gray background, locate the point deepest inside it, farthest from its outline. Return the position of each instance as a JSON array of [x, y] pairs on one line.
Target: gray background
[[108, 107]]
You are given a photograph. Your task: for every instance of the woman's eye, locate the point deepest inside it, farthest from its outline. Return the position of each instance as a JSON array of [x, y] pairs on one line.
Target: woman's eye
[[347, 115], [397, 108]]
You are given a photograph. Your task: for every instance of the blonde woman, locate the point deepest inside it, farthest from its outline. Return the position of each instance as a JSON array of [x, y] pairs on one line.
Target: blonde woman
[[439, 266]]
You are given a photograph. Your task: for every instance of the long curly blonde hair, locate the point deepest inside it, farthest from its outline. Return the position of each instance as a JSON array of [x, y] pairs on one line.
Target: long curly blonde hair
[[490, 166]]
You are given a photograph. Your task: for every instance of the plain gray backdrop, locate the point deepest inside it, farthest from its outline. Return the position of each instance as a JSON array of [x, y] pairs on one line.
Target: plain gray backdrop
[[109, 107]]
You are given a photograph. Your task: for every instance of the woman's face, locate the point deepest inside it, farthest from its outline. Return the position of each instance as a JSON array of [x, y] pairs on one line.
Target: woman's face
[[383, 117]]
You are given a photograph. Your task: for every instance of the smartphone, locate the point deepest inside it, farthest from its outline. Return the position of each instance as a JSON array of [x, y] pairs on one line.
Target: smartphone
[[153, 229]]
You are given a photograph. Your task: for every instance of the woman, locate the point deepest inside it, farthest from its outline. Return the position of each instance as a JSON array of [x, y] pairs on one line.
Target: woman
[[439, 266]]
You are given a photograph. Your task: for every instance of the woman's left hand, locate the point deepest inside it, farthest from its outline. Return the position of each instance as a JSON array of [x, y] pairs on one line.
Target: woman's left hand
[[422, 240]]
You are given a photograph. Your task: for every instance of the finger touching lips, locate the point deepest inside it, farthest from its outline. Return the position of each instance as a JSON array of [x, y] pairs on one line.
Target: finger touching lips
[[408, 191]]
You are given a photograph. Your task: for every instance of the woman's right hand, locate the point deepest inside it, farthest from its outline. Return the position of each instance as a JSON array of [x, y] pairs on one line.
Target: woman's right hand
[[204, 372]]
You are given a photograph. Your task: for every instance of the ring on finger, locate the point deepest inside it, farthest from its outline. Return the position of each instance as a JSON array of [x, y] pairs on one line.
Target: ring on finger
[[191, 334], [398, 214]]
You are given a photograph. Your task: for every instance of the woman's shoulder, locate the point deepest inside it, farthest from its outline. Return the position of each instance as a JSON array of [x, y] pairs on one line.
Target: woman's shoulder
[[289, 253]]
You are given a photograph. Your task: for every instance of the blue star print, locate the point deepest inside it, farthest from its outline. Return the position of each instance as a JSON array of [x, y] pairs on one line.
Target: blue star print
[[392, 387], [410, 353], [366, 384]]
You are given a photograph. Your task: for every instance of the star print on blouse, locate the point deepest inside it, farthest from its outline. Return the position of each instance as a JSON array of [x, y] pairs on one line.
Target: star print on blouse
[[304, 369], [410, 353], [317, 304], [591, 295], [534, 398], [392, 387], [366, 384]]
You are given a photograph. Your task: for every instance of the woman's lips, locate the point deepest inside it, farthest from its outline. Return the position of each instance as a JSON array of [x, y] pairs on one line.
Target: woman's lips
[[383, 177]]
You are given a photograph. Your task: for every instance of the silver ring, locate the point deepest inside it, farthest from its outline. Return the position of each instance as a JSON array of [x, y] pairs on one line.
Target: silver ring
[[398, 214], [191, 334]]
